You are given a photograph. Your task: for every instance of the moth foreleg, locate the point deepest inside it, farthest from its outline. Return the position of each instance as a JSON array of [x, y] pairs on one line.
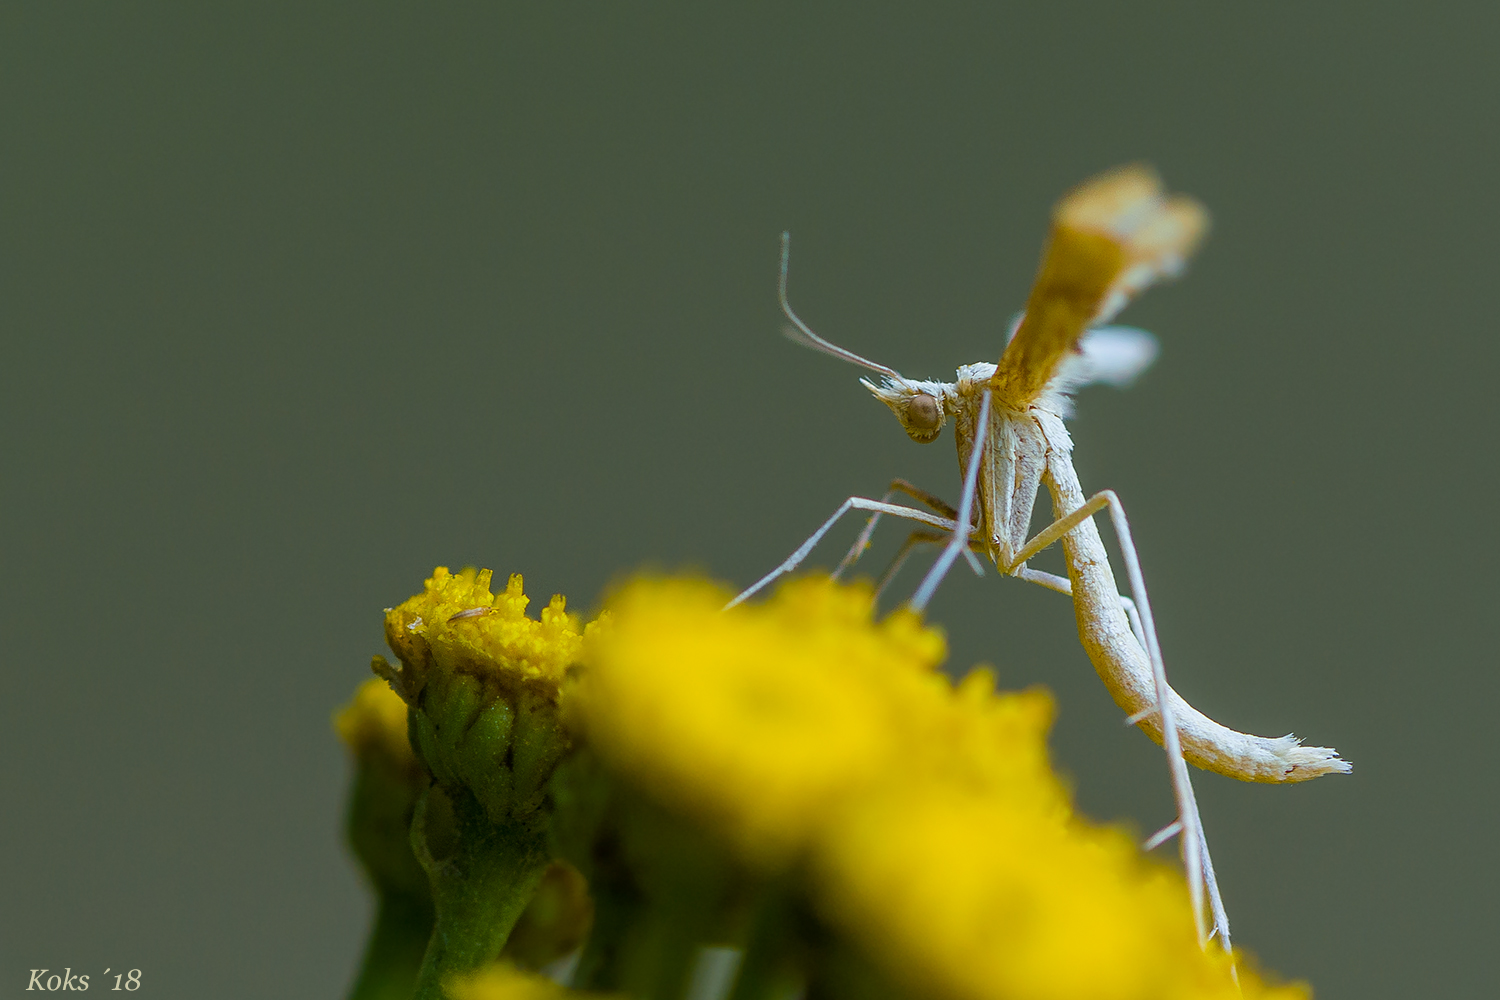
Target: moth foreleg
[[862, 543], [853, 503]]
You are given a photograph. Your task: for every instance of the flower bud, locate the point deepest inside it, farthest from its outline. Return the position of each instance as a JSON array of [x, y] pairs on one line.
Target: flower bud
[[482, 680]]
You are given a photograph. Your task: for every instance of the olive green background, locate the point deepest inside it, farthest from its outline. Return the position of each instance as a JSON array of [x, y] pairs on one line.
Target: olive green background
[[298, 302]]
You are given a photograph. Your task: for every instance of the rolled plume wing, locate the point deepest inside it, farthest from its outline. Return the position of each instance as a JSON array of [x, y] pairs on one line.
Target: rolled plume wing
[[1157, 250], [1112, 237]]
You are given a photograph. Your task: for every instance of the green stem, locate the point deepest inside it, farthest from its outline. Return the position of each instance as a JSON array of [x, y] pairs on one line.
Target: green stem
[[479, 887], [403, 926]]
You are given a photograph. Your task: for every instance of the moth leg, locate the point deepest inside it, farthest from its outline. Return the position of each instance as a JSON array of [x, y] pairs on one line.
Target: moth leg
[[1063, 585], [956, 542], [853, 503], [1195, 854], [862, 543], [908, 547]]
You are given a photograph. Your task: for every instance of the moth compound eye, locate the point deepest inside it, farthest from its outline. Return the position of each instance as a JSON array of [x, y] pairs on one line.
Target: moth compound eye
[[923, 414]]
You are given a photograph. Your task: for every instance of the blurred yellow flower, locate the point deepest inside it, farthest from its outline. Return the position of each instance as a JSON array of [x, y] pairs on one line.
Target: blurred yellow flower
[[976, 740], [935, 835], [375, 722], [962, 895], [755, 721], [502, 981]]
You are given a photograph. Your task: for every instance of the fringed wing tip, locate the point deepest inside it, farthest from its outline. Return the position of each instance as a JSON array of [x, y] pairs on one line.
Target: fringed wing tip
[[1305, 763]]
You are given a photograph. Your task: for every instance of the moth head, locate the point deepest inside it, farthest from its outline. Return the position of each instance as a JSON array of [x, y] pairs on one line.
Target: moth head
[[918, 405]]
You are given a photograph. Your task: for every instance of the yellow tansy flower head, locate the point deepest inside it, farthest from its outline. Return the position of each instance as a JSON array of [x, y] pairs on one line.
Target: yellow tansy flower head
[[482, 679], [457, 625], [754, 721]]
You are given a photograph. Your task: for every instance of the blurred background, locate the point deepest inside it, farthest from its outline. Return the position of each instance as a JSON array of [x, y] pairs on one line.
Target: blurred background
[[300, 302]]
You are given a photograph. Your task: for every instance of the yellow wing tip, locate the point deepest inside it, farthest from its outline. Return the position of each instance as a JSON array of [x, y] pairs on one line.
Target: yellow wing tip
[[1175, 228], [1129, 203], [1110, 199]]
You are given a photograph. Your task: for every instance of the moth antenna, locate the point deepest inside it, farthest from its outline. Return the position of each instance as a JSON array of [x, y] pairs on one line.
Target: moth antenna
[[798, 331]]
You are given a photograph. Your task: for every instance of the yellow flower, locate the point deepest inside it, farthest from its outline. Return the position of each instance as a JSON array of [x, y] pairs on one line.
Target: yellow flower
[[492, 636], [482, 682], [983, 742], [483, 679], [934, 833], [502, 981], [752, 722], [963, 896], [759, 722], [375, 722]]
